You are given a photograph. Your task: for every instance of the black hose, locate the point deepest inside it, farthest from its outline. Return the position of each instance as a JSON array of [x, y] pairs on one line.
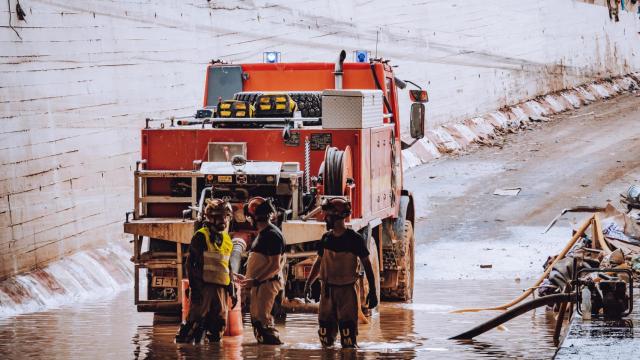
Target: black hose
[[515, 312], [332, 176], [384, 96]]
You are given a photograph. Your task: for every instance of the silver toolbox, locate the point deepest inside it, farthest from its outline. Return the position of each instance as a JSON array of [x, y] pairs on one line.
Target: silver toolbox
[[351, 109]]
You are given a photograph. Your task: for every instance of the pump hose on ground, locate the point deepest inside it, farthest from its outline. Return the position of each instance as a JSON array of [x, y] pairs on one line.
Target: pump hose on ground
[[516, 311], [528, 292]]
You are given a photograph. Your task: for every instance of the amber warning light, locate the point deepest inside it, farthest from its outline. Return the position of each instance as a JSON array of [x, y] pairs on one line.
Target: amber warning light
[[418, 96]]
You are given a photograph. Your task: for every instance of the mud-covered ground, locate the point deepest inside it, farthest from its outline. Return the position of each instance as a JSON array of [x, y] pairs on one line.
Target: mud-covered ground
[[583, 157], [586, 157]]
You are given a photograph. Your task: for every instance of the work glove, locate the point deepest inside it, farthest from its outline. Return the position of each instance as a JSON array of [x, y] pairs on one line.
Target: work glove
[[372, 299]]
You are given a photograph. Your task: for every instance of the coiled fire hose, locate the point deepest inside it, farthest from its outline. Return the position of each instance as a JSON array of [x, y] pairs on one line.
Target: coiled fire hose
[[333, 168]]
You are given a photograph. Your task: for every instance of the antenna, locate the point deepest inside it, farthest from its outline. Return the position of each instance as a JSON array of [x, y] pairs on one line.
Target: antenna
[[377, 33]]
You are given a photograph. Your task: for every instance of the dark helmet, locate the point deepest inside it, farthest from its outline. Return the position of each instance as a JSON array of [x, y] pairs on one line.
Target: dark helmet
[[260, 208], [337, 207]]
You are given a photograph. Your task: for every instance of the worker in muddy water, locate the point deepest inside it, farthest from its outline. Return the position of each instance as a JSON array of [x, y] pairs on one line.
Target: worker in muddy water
[[210, 277], [336, 266], [264, 270]]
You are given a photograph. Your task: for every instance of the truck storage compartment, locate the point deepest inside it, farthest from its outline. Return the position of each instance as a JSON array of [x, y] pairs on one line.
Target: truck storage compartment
[[352, 109]]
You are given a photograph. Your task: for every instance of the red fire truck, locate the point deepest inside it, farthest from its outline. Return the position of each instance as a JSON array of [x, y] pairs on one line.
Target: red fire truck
[[295, 132]]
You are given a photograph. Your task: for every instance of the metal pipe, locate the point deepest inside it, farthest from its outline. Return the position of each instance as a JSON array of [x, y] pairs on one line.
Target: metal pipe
[[307, 164], [239, 245], [338, 69], [201, 202], [310, 214], [295, 198]]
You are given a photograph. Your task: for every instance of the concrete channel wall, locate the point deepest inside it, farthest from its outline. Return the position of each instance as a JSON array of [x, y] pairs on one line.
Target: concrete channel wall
[[78, 77]]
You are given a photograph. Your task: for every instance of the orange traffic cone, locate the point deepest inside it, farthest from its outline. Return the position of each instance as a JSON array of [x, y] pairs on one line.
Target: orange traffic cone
[[186, 301], [234, 316]]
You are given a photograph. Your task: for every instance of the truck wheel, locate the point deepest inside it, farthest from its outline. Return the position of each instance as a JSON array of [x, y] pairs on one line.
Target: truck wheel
[[404, 255]]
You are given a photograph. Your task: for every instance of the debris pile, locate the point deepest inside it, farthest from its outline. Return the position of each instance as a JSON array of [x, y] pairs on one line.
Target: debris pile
[[614, 243], [595, 271]]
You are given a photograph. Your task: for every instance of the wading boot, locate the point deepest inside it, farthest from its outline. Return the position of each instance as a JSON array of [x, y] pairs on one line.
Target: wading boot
[[198, 333], [327, 333], [348, 334], [185, 332], [266, 335], [216, 331], [214, 337], [189, 332]]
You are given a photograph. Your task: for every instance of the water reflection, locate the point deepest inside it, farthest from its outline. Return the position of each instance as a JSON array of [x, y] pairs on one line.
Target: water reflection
[[111, 328]]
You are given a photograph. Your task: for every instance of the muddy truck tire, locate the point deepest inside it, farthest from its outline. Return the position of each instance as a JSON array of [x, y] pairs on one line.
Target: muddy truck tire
[[401, 259], [309, 103]]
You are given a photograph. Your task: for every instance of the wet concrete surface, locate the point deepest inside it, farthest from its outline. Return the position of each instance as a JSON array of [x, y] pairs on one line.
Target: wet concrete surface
[[580, 158], [603, 339], [583, 157]]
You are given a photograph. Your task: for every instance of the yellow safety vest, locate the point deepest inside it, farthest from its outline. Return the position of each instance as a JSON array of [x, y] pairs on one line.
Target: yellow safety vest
[[216, 259]]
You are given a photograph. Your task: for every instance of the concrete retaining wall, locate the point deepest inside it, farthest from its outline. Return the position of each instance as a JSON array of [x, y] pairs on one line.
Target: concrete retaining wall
[[79, 77]]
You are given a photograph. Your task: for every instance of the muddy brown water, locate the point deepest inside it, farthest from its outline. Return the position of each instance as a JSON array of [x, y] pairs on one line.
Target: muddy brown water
[[111, 328]]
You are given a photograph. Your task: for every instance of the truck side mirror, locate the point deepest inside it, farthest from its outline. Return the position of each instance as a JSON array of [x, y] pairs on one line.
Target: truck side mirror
[[416, 126]]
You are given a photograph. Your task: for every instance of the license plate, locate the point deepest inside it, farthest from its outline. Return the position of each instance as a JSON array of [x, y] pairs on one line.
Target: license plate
[[162, 281], [225, 178]]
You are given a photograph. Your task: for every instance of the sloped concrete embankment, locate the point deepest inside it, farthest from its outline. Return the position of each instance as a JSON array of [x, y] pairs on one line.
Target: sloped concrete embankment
[[84, 276], [456, 137]]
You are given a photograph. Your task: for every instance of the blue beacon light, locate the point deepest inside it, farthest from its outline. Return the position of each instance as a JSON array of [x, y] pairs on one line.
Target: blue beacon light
[[361, 56], [271, 57]]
